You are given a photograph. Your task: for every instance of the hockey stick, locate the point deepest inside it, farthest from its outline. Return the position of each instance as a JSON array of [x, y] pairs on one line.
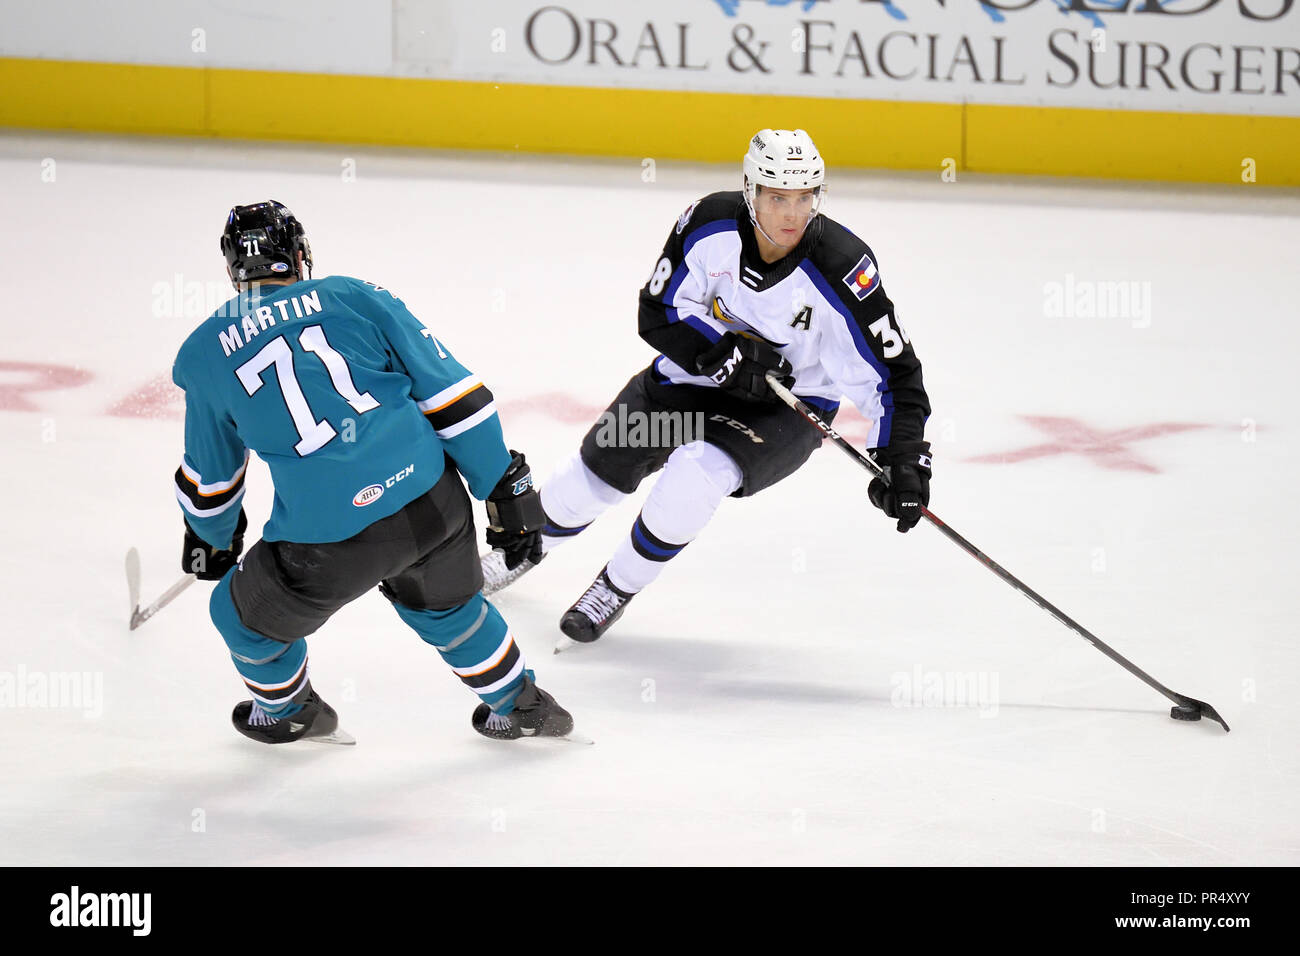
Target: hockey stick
[[139, 616], [1187, 708]]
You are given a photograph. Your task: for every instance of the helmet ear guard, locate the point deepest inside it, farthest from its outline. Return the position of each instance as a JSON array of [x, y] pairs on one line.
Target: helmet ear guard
[[305, 248]]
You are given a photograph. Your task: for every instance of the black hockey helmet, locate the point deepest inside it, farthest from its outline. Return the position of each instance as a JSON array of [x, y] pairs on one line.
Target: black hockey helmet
[[262, 241]]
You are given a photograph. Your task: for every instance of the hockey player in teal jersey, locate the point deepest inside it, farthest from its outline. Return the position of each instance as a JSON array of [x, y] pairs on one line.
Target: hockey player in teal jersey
[[368, 425]]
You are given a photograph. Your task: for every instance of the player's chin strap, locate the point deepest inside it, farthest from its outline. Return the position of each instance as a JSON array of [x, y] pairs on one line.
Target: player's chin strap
[[1188, 708], [753, 214], [754, 219]]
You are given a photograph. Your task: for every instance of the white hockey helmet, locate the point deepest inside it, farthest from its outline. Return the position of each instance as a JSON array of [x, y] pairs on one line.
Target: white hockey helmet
[[783, 159]]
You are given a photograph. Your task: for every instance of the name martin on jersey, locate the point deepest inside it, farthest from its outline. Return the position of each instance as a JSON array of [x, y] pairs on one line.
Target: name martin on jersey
[[258, 320]]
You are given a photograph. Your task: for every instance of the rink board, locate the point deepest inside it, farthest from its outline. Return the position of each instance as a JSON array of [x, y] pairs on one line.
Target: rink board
[[646, 124]]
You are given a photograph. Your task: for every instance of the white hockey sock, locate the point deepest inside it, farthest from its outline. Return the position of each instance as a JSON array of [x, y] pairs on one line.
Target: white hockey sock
[[573, 497], [692, 485]]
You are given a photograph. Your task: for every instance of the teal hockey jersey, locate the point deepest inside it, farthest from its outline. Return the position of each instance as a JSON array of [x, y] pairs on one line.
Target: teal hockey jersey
[[335, 385]]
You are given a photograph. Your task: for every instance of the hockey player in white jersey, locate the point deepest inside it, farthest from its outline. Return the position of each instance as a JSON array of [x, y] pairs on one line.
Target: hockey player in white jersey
[[748, 283]]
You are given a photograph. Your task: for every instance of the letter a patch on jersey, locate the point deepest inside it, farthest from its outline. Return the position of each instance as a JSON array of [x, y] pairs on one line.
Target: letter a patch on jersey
[[863, 279]]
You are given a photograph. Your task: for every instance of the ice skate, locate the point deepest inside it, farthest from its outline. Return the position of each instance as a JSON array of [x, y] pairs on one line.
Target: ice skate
[[599, 607], [496, 576], [317, 721], [536, 714]]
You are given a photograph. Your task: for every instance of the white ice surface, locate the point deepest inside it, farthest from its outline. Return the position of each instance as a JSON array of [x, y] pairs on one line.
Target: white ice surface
[[744, 709]]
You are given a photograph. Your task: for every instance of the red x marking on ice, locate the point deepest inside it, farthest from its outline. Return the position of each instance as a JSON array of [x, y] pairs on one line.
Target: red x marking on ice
[[1106, 449]]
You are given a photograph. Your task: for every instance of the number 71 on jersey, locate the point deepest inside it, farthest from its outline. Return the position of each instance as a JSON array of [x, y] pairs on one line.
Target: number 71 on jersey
[[436, 344]]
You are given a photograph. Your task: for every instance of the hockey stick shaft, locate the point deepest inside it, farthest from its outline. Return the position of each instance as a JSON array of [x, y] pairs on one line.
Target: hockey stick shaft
[[139, 616], [864, 461]]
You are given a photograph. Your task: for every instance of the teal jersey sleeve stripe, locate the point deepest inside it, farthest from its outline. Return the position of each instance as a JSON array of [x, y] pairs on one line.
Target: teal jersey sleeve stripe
[[210, 480]]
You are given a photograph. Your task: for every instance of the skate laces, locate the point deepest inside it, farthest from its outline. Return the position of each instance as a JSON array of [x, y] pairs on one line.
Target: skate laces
[[497, 721], [257, 717], [599, 602]]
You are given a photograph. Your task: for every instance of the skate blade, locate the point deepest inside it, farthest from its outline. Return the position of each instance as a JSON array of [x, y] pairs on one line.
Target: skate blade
[[572, 737], [566, 642], [339, 736]]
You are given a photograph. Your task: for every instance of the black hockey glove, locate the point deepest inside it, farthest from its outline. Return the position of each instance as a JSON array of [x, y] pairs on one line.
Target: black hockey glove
[[739, 366], [907, 490], [515, 516], [208, 563]]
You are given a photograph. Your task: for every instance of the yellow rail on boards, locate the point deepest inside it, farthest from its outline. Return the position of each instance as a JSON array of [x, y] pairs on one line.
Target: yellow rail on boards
[[454, 114]]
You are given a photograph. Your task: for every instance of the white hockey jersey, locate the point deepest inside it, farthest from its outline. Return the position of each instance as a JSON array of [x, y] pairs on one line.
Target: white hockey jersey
[[823, 306]]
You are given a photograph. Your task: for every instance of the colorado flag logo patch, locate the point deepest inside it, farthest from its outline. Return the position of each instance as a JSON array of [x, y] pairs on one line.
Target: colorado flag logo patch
[[863, 279]]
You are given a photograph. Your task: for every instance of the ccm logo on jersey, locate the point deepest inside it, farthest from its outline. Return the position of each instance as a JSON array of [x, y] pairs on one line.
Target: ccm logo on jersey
[[863, 279], [372, 493]]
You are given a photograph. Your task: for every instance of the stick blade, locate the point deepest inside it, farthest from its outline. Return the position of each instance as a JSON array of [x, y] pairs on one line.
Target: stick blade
[[133, 577], [133, 586], [1189, 708]]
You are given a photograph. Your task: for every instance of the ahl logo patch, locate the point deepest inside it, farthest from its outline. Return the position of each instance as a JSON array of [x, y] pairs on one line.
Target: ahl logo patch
[[685, 217], [863, 279], [368, 495]]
